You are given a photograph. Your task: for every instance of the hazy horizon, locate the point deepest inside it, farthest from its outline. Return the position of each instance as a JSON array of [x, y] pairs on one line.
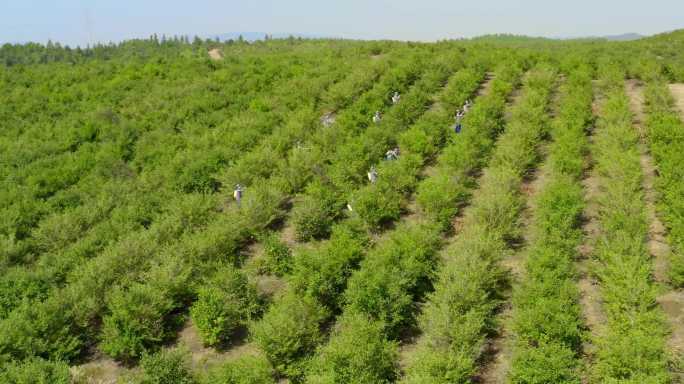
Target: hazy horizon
[[80, 22]]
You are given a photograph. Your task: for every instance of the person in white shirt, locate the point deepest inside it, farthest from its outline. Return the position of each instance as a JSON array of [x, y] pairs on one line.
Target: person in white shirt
[[373, 175], [377, 117], [237, 193], [392, 154], [459, 118]]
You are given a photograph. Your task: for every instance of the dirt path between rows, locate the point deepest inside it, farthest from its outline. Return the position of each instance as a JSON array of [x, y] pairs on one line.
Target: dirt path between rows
[[671, 301], [100, 370], [677, 91], [591, 303]]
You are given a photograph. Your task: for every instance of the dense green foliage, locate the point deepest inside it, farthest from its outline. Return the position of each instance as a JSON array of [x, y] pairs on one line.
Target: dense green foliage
[[227, 302], [459, 312], [246, 370], [118, 226], [35, 371], [166, 367], [547, 324], [633, 347], [666, 137]]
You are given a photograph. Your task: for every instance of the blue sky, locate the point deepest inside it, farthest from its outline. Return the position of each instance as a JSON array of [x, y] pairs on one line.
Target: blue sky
[[82, 21]]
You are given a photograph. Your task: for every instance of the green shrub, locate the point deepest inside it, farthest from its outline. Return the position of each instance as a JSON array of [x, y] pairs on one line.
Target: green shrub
[[166, 367], [136, 321], [545, 363], [322, 273], [245, 370], [314, 216], [220, 241], [262, 205], [357, 353], [289, 331], [377, 204], [195, 174], [277, 255], [393, 276], [224, 303], [19, 284], [437, 197], [35, 371], [466, 294], [416, 141], [300, 166], [401, 175], [677, 269], [47, 329]]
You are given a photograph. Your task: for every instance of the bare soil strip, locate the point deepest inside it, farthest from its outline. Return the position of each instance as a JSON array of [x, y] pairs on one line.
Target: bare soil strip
[[671, 301], [677, 91], [590, 294], [101, 370]]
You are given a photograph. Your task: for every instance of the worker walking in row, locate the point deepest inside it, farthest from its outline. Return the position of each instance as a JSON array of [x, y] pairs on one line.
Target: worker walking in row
[[373, 175], [458, 118], [237, 194], [466, 106], [395, 98], [328, 119], [377, 117], [392, 154]]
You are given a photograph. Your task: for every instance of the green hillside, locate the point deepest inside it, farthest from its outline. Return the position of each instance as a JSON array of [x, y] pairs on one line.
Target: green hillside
[[517, 248]]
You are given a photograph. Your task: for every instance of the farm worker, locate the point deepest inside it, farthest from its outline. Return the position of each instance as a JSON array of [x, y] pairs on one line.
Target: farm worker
[[377, 117], [459, 117], [373, 175], [392, 154], [237, 193], [396, 97], [466, 106], [328, 119]]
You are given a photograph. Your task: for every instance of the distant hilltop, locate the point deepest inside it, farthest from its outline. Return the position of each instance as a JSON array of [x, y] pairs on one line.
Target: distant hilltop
[[254, 36], [624, 37]]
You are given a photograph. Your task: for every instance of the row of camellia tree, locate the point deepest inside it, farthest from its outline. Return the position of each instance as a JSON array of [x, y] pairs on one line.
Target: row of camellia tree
[[546, 324], [459, 313], [58, 315], [665, 138], [216, 247], [632, 344]]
